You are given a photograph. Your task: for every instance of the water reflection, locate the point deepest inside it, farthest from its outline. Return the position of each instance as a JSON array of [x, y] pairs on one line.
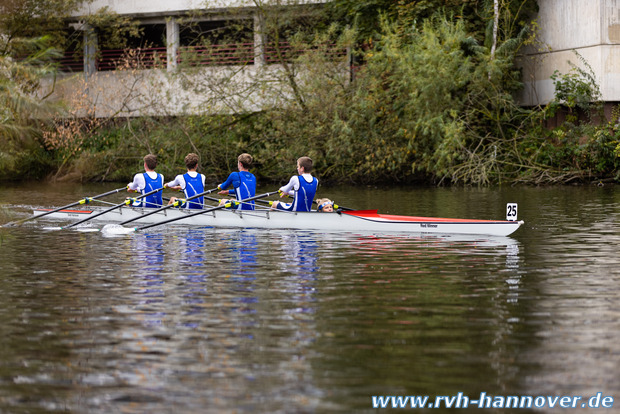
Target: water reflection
[[194, 278], [239, 249], [300, 262]]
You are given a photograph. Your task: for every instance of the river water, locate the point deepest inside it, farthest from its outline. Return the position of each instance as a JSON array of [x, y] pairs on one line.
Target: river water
[[186, 320]]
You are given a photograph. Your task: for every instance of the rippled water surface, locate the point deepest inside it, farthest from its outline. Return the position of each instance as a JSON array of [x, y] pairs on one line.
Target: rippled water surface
[[186, 320]]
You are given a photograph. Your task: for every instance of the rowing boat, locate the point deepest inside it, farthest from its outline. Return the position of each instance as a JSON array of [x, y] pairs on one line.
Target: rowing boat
[[346, 221]]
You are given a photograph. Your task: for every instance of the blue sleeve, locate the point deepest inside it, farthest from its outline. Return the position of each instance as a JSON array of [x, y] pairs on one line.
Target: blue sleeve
[[229, 181]]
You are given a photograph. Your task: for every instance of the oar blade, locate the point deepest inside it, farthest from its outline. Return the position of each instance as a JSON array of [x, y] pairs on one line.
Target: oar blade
[[87, 229]]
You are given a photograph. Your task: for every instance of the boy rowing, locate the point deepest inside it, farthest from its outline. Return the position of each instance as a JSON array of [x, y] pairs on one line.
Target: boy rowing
[[243, 183], [302, 186], [146, 182], [191, 183]]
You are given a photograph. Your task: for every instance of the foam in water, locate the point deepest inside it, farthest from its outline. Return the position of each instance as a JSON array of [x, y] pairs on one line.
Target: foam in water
[[116, 229]]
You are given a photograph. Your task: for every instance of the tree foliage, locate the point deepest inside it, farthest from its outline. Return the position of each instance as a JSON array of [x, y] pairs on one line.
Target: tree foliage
[[28, 53], [477, 14]]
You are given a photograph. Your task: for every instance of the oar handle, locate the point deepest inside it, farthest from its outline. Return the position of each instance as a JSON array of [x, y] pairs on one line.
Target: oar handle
[[203, 211], [112, 208], [166, 207]]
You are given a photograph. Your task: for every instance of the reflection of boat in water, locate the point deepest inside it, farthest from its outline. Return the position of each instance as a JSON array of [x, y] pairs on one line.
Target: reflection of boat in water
[[347, 221]]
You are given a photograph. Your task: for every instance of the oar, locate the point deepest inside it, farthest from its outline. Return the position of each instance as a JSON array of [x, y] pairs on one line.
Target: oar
[[82, 201], [114, 207], [203, 211], [168, 206]]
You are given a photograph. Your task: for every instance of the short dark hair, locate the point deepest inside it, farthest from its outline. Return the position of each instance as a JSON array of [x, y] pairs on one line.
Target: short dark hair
[[245, 159], [305, 162], [191, 161], [151, 161]]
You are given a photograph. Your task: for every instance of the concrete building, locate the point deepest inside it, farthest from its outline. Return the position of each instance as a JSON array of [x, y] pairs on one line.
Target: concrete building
[[170, 71], [590, 28]]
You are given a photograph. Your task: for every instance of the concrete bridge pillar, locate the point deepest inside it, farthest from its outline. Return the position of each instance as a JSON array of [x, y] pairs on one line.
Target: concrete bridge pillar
[[90, 50], [172, 43], [259, 39]]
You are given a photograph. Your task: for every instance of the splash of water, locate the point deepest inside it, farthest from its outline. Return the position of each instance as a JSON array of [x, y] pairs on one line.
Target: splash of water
[[116, 230]]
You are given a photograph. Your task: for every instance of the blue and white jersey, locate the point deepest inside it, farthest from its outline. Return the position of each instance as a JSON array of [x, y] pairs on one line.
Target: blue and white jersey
[[154, 200], [191, 183], [194, 185], [145, 183], [244, 186], [303, 188]]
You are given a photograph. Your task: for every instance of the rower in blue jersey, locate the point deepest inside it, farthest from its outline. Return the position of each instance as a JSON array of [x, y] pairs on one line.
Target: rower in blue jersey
[[147, 182], [243, 183], [191, 183], [302, 187]]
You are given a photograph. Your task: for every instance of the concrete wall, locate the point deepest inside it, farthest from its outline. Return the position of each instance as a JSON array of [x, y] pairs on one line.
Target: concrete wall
[[158, 92], [171, 7], [589, 27]]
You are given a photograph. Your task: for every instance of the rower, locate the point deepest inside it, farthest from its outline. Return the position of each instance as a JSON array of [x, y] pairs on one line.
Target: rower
[[191, 183], [243, 183], [302, 187], [147, 182]]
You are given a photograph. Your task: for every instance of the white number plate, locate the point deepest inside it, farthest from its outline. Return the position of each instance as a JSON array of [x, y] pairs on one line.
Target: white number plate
[[511, 211]]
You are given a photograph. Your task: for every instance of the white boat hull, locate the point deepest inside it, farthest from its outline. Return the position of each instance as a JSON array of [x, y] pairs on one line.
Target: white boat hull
[[350, 221]]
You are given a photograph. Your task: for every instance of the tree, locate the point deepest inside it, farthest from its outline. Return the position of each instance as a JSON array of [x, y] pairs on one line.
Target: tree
[[27, 54]]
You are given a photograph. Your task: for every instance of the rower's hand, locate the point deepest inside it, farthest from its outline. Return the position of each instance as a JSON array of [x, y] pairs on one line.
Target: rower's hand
[[223, 192], [131, 190]]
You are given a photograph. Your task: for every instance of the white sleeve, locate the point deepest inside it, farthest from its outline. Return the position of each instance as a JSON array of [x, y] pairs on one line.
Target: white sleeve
[[292, 185], [138, 182], [178, 180]]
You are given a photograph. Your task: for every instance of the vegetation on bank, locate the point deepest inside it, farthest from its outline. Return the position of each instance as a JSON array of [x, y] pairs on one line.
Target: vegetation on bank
[[431, 102]]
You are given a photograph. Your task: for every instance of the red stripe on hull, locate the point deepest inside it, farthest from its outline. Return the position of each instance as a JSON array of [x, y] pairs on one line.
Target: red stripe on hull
[[372, 214]]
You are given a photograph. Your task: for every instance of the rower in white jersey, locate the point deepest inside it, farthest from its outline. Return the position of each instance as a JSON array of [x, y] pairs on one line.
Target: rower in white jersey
[[302, 187], [146, 182], [191, 183]]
